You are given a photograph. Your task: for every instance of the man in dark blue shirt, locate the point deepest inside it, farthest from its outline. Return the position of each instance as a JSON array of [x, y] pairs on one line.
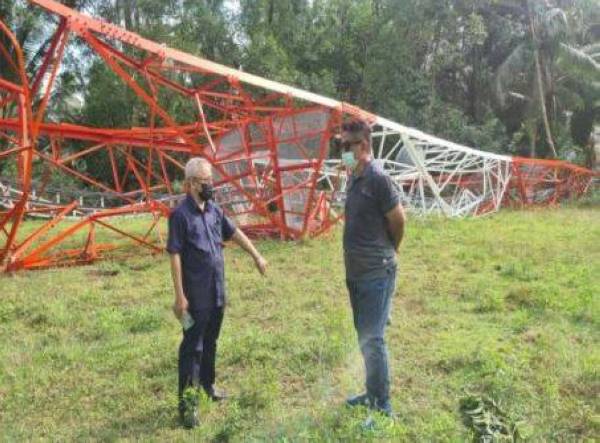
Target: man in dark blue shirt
[[197, 229], [373, 231]]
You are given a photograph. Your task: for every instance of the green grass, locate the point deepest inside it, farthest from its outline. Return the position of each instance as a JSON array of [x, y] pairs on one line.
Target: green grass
[[504, 307]]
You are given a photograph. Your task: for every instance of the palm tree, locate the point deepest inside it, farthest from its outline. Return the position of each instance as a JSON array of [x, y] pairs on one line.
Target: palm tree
[[543, 65]]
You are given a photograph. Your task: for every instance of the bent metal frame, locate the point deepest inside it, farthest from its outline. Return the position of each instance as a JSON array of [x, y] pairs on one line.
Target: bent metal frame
[[272, 148]]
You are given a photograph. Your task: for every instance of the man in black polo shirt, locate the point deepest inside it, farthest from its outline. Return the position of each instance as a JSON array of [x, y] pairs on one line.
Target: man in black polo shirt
[[197, 229], [373, 231]]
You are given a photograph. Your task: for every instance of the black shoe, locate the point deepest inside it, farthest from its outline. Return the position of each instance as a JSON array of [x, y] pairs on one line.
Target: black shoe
[[383, 407], [215, 395], [358, 400]]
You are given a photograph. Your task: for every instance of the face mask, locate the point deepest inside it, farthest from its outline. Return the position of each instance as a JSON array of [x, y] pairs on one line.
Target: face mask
[[206, 192], [348, 159]]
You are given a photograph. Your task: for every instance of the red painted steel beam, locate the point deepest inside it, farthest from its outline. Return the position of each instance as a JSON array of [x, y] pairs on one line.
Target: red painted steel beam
[[81, 23]]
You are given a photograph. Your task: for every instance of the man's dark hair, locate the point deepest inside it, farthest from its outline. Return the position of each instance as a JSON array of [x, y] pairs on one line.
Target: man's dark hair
[[358, 128]]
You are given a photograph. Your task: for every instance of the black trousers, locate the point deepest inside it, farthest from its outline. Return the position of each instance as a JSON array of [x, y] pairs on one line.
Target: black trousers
[[198, 349]]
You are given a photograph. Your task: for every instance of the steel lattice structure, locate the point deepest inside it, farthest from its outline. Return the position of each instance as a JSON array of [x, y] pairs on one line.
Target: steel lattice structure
[[270, 146]]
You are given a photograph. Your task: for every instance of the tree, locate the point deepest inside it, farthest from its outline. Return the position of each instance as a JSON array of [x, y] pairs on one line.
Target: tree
[[541, 66]]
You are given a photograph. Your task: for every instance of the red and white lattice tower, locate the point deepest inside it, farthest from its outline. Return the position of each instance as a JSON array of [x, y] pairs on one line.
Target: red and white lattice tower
[[269, 144]]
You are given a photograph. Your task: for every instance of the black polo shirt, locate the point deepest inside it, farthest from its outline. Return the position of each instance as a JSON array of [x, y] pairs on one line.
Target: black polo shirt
[[198, 237], [368, 245]]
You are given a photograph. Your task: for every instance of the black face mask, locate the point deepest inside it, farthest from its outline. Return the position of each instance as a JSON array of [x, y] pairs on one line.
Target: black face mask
[[206, 192]]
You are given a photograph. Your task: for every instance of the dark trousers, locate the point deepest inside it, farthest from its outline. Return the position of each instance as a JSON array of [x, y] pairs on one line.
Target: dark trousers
[[198, 349], [370, 302]]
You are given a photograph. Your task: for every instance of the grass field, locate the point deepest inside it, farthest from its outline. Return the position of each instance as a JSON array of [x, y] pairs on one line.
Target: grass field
[[505, 307]]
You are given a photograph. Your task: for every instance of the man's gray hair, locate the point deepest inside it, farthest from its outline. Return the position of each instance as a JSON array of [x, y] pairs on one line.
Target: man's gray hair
[[194, 165]]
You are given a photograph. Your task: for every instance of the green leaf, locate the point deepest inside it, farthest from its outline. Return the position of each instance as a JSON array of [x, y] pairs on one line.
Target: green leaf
[[577, 63]]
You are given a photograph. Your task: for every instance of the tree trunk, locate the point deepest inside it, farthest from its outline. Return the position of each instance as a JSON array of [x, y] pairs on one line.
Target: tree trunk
[[540, 80], [532, 130], [436, 38], [128, 15], [271, 12]]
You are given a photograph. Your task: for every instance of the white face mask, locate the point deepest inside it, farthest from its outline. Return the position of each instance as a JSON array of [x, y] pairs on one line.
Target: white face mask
[[348, 159]]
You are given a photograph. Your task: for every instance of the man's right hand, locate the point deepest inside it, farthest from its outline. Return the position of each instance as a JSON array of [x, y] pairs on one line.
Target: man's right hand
[[261, 264], [180, 306]]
